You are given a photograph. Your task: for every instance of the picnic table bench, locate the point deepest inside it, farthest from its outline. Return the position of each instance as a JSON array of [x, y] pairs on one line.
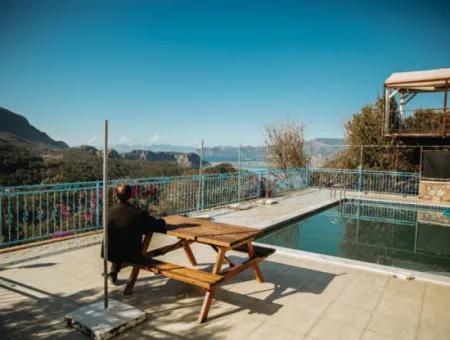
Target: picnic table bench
[[221, 237]]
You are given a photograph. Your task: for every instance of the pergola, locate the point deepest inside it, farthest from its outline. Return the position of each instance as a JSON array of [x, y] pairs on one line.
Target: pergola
[[405, 86]]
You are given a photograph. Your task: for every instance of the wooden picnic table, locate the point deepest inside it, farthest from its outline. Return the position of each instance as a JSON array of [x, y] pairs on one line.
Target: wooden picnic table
[[221, 237]]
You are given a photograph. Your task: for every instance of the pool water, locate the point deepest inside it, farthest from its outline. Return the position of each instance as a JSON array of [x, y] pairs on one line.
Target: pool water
[[400, 235]]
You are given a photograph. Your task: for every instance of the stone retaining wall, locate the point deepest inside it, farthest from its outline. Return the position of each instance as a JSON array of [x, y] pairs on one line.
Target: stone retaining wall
[[435, 191]]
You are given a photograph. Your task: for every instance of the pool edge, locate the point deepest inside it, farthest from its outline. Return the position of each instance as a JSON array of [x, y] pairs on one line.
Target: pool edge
[[367, 266]]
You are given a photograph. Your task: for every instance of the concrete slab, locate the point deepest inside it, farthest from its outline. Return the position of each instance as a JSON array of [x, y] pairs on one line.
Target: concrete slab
[[100, 323]]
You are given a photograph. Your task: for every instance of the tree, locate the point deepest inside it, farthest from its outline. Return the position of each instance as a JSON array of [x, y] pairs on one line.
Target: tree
[[222, 168], [424, 120], [379, 153], [285, 144]]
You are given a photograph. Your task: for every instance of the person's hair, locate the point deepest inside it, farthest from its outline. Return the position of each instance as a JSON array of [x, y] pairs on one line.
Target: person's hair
[[123, 192]]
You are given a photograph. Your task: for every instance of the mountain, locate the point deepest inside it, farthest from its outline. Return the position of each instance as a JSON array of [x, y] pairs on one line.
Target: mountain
[[186, 160], [322, 150], [16, 129], [124, 148]]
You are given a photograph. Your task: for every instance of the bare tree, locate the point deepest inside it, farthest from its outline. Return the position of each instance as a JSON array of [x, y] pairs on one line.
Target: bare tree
[[285, 143]]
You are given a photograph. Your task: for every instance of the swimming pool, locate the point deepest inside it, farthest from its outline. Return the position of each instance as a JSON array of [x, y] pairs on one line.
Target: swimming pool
[[415, 237]]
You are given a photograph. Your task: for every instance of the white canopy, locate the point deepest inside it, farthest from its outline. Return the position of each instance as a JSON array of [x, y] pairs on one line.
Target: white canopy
[[429, 80]]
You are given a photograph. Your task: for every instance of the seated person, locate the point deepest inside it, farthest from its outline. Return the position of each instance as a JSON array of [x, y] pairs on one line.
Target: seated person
[[126, 226]]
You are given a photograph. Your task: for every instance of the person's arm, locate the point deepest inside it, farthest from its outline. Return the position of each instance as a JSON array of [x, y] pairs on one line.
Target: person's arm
[[147, 223]]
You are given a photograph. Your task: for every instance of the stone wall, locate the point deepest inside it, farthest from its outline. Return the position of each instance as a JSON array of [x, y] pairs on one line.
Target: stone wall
[[432, 217], [435, 191]]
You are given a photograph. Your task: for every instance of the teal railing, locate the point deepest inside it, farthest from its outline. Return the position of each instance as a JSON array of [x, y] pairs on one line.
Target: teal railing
[[35, 212]]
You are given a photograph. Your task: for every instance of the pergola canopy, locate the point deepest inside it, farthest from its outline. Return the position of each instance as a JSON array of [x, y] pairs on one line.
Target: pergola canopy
[[418, 81]]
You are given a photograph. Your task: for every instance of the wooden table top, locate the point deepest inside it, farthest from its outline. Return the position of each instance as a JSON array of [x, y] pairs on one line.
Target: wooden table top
[[208, 232]]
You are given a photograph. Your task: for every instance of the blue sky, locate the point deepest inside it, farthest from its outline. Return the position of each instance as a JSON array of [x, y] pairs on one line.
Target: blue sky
[[176, 72]]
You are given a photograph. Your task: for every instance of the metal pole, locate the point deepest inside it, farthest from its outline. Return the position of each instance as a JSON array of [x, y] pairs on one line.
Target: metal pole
[[105, 215], [200, 171], [360, 169], [239, 174], [361, 157], [267, 173]]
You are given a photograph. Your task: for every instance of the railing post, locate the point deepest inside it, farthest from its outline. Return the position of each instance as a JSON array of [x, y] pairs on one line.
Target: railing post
[[259, 184], [307, 174], [203, 192], [360, 174], [239, 176], [200, 181], [97, 204]]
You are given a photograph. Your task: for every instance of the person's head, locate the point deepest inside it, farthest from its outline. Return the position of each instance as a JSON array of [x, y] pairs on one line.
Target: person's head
[[123, 192]]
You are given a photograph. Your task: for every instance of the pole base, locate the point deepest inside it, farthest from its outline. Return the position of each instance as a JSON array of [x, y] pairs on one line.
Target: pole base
[[99, 323]]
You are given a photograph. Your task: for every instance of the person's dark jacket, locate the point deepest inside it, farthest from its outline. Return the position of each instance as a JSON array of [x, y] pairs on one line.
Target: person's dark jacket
[[126, 226]]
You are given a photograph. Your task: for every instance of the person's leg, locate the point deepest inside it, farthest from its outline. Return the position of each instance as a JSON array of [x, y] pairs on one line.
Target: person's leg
[[115, 269]]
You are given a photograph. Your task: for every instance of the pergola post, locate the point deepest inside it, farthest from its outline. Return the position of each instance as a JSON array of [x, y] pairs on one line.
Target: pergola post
[[387, 110]]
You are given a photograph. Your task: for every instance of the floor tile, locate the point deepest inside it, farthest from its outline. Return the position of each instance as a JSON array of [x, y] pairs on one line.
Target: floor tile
[[393, 327], [329, 329]]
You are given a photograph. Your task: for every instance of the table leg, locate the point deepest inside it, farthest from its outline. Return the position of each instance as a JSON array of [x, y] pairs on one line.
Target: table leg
[[219, 261], [251, 253], [189, 254], [205, 306], [210, 293], [227, 260], [135, 272]]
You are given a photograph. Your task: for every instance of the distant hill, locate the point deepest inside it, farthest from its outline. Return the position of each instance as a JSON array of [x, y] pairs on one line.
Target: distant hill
[[16, 129], [124, 148], [185, 160], [319, 148], [322, 150]]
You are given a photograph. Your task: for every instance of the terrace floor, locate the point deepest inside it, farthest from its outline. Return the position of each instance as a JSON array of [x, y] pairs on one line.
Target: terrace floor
[[301, 299]]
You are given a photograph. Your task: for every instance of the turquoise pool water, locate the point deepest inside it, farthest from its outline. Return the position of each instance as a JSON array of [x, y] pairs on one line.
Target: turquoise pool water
[[400, 235]]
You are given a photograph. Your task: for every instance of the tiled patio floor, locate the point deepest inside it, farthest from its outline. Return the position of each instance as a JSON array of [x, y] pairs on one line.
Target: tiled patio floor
[[301, 299]]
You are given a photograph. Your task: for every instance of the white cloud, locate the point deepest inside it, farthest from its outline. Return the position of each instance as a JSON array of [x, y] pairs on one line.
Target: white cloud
[[91, 141], [155, 139], [124, 140]]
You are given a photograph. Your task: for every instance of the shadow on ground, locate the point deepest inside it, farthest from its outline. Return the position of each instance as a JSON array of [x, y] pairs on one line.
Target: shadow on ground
[[172, 308]]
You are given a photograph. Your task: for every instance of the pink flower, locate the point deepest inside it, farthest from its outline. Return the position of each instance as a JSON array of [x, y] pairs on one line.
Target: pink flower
[[64, 210]]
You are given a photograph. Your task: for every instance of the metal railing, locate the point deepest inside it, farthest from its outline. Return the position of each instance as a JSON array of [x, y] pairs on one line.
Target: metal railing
[[36, 212], [404, 183]]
